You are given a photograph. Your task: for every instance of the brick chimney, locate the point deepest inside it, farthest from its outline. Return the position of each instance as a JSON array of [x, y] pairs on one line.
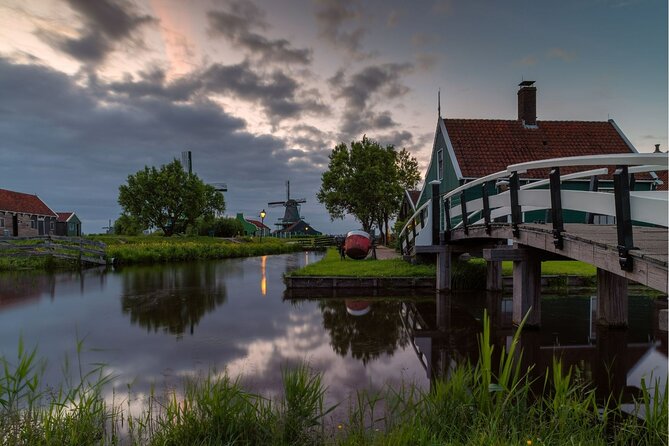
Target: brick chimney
[[527, 103]]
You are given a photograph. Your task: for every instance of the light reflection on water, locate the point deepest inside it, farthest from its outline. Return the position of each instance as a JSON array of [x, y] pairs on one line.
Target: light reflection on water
[[155, 324]]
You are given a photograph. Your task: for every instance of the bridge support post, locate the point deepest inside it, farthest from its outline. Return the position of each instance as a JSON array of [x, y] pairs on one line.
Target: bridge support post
[[611, 299], [444, 269], [527, 290], [493, 280]]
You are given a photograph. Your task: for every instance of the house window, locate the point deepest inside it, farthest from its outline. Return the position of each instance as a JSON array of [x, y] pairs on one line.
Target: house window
[[33, 223], [440, 164], [2, 222], [51, 224]]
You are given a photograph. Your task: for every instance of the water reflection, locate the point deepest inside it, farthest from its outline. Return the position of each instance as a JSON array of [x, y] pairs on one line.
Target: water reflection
[[171, 298], [263, 276], [371, 331], [444, 334]]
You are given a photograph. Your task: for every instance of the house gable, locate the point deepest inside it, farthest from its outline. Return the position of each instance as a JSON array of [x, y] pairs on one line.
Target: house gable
[[442, 154]]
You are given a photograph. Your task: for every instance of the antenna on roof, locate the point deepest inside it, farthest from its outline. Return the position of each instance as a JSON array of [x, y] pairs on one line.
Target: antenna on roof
[[439, 102]]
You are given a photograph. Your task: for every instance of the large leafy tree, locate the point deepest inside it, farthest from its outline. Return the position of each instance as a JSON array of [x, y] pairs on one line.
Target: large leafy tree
[[168, 198], [367, 181]]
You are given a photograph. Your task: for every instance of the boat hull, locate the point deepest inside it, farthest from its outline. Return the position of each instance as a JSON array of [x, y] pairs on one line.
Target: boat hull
[[357, 244]]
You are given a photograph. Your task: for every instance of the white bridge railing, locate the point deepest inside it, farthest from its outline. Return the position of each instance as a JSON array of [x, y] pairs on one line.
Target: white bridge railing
[[511, 199]]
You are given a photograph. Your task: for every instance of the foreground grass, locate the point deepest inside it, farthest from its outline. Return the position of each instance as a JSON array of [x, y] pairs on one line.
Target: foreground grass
[[487, 403], [332, 265]]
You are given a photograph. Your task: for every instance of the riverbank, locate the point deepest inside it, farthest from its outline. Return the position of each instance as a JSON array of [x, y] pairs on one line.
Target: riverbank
[[491, 402], [391, 272], [128, 250]]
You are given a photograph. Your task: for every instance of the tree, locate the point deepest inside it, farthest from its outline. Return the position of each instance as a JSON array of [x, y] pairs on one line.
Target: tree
[[169, 199], [127, 225], [367, 181]]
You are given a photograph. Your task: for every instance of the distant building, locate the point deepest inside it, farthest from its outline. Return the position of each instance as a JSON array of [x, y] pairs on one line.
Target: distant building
[[249, 228], [261, 228], [68, 224], [25, 215], [297, 228]]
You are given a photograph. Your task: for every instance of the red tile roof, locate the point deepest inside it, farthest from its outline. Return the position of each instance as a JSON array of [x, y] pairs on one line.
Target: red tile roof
[[258, 224], [64, 216], [24, 203], [485, 146]]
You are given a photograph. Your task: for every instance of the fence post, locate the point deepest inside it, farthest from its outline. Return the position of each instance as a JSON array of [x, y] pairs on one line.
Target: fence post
[[486, 206], [516, 213], [435, 212], [593, 187], [447, 219], [621, 188], [463, 207], [556, 208]]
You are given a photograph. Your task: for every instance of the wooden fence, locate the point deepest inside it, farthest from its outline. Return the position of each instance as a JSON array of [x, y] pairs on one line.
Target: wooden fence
[[318, 241], [86, 252]]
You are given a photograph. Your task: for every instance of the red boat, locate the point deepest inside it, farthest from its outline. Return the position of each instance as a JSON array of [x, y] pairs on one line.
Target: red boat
[[357, 244]]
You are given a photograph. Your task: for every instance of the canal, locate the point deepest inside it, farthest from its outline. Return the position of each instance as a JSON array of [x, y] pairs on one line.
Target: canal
[[153, 325]]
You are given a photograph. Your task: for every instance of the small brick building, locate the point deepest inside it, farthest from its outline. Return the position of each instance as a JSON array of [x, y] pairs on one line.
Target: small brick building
[[25, 215]]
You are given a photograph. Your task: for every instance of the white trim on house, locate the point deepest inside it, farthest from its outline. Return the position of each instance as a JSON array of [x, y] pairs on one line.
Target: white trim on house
[[429, 166], [407, 195], [632, 148], [451, 152]]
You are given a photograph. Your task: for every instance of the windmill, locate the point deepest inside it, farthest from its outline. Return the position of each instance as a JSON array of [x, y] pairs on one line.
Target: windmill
[[292, 205]]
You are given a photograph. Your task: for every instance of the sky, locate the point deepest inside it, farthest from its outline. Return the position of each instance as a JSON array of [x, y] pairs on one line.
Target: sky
[[261, 91]]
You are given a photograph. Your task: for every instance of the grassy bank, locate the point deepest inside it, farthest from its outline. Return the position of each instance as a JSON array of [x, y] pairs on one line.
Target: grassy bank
[[332, 265], [148, 249], [491, 402], [128, 250]]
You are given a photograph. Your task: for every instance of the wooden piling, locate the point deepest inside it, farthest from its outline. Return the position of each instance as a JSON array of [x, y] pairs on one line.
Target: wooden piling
[[493, 276], [527, 290], [611, 299]]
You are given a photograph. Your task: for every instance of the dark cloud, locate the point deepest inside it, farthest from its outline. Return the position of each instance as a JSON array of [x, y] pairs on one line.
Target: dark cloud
[[363, 90], [398, 139], [278, 93], [100, 133], [236, 24], [332, 18], [104, 24]]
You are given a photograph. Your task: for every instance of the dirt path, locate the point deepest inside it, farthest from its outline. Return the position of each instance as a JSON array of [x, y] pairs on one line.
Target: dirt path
[[383, 253]]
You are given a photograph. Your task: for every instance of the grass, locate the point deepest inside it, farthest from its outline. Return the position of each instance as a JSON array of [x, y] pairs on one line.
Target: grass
[[126, 250], [491, 402], [332, 265], [152, 249]]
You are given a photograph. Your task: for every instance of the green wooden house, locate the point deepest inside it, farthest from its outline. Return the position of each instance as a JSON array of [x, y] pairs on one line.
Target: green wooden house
[[68, 224], [249, 228], [467, 149]]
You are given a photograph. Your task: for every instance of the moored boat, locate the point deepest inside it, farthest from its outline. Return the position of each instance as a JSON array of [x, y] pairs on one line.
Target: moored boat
[[357, 244]]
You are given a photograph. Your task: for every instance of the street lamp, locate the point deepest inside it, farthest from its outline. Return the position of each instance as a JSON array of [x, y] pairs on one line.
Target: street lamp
[[262, 223]]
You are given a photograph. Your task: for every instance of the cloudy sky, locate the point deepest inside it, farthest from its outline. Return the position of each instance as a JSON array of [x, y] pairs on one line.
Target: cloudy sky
[[261, 91]]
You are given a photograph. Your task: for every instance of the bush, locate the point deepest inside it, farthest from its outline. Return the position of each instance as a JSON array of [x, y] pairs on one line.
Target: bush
[[228, 227], [220, 227]]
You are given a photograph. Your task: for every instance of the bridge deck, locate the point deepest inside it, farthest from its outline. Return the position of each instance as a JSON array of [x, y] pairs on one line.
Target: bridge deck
[[594, 244]]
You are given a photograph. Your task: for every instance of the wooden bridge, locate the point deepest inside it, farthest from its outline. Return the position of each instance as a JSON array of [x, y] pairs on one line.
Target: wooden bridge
[[492, 226]]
